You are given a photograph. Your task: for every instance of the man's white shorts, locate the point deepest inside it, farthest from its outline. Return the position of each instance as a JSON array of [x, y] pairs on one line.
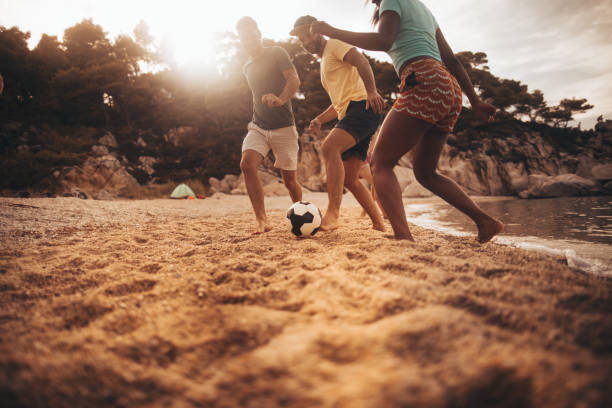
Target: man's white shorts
[[283, 142]]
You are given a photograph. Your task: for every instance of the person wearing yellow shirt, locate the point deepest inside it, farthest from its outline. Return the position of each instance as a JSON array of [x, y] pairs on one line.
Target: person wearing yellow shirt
[[348, 79]]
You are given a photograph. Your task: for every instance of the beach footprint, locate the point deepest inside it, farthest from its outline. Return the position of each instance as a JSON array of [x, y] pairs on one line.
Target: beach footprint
[[151, 268], [81, 314], [137, 286]]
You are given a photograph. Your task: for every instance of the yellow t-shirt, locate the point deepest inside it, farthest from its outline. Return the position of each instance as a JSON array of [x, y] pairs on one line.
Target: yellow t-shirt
[[340, 79]]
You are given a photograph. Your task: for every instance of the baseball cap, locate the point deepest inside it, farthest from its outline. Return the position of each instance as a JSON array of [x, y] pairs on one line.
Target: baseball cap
[[302, 21]]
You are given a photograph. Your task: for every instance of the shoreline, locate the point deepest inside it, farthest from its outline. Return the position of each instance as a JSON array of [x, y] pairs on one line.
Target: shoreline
[[585, 253], [165, 302]]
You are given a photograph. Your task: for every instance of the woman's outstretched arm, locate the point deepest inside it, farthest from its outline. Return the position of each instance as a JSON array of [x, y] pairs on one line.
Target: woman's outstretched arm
[[376, 41], [485, 110]]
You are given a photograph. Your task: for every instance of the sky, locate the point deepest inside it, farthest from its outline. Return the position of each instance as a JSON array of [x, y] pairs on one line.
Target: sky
[[561, 47]]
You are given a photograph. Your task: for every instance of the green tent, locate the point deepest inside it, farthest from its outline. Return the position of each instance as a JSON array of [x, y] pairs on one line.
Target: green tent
[[182, 191]]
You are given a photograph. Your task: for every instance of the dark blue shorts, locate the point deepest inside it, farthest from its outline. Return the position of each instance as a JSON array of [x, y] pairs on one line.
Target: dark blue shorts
[[361, 124]]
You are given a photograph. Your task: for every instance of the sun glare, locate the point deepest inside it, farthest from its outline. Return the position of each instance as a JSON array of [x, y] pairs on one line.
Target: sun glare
[[194, 47], [192, 27], [185, 34]]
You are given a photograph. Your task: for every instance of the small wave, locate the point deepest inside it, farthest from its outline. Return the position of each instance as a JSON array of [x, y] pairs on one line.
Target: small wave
[[589, 265], [419, 214], [427, 222]]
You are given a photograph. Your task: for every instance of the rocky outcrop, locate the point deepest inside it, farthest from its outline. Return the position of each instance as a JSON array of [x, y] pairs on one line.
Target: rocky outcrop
[[99, 150], [146, 163], [499, 159], [497, 165], [99, 177], [140, 142], [602, 172], [108, 140], [226, 185], [505, 159], [179, 135], [311, 168], [494, 164], [564, 185], [102, 176], [474, 170], [232, 184]]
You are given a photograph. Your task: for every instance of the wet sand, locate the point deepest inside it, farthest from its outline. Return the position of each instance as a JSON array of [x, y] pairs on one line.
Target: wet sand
[[175, 303]]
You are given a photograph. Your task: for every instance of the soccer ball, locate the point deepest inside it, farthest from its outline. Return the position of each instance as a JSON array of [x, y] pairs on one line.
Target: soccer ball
[[305, 218]]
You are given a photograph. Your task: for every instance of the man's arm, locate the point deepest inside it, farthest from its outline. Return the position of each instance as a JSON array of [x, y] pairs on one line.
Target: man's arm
[[323, 117], [292, 84], [327, 115], [360, 62], [485, 110]]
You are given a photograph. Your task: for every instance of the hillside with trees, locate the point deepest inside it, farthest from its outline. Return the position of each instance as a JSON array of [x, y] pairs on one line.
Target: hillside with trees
[[63, 95]]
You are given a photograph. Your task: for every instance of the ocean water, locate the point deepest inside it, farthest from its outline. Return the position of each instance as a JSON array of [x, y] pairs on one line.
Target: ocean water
[[578, 228]]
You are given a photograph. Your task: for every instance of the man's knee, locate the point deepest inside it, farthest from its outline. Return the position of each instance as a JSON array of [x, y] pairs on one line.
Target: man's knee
[[328, 148], [351, 183], [248, 164]]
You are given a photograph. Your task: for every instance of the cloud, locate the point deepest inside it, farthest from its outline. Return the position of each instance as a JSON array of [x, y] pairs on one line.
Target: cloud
[[559, 46]]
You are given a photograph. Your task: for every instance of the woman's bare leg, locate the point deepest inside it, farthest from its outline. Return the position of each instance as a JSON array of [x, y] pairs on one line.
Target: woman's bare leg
[[399, 134], [426, 162]]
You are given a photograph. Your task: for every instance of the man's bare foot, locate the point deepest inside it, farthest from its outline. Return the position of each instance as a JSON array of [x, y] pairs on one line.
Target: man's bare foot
[[262, 226], [329, 223], [378, 227], [488, 229], [363, 213]]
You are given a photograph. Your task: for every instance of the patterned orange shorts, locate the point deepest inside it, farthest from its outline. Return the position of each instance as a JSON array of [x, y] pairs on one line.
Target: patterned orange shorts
[[430, 93]]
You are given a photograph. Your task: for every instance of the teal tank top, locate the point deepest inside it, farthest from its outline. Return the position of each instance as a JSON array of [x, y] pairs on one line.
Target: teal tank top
[[416, 35]]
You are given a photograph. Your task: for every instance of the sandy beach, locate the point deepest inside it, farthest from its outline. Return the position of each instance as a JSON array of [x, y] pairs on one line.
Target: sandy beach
[[176, 304]]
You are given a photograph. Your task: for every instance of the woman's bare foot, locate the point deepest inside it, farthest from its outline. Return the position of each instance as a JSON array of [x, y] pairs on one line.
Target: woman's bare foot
[[262, 226], [406, 237], [378, 227], [488, 229], [401, 237]]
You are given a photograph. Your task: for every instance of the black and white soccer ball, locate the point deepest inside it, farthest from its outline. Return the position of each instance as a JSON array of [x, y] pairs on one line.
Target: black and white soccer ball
[[305, 218]]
